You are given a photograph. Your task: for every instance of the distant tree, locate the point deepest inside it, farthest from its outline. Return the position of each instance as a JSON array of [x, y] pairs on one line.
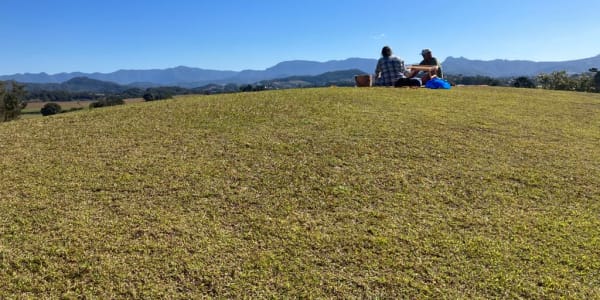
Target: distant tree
[[3, 93], [161, 93], [246, 88], [230, 88], [108, 101], [59, 95], [558, 80], [584, 82], [97, 104], [561, 81], [523, 82], [259, 87], [253, 88], [597, 81], [114, 100], [133, 93], [51, 109], [11, 101], [546, 81], [148, 97]]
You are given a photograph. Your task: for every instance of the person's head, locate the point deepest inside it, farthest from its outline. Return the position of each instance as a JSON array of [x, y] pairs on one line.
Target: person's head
[[426, 53], [386, 51]]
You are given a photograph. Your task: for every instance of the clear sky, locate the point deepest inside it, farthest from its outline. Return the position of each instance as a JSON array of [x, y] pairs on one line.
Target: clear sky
[[106, 35]]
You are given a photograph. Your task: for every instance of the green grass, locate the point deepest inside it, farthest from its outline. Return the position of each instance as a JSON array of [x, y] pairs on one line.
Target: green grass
[[316, 193]]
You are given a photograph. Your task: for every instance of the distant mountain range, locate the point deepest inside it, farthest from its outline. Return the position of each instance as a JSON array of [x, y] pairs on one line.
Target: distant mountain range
[[509, 68], [87, 86], [78, 84], [194, 77]]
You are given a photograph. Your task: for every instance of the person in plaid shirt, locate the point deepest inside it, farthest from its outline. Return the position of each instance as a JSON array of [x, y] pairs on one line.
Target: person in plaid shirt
[[389, 68]]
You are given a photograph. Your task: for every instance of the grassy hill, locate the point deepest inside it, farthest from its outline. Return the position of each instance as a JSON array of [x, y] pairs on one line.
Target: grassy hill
[[333, 192]]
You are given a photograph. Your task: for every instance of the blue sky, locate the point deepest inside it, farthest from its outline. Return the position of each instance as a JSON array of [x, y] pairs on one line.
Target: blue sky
[[106, 35]]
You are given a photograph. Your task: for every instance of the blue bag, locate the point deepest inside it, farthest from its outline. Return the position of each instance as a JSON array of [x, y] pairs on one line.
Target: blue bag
[[437, 83]]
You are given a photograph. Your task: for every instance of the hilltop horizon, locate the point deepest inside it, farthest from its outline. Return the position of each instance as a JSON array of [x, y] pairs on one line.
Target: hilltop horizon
[[185, 76], [183, 66]]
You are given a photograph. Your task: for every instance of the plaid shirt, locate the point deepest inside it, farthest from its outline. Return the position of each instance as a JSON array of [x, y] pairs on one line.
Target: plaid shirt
[[389, 70]]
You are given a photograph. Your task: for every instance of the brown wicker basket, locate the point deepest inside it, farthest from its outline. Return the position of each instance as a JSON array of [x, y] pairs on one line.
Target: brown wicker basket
[[363, 80]]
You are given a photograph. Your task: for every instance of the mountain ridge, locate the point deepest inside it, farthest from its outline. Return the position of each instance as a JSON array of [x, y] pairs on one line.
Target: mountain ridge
[[509, 68], [93, 86], [193, 77]]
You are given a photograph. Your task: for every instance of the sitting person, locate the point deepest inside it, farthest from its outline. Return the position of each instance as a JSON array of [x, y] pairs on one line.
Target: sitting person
[[389, 68], [428, 60]]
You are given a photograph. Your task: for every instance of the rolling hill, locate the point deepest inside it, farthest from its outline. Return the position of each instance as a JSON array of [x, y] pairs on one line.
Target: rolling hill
[[384, 193]]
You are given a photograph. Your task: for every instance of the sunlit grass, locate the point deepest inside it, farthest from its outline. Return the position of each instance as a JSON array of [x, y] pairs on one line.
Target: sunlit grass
[[336, 192]]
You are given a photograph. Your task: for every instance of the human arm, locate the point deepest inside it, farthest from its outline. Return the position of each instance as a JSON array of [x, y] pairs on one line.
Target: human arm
[[402, 68], [439, 72], [378, 69]]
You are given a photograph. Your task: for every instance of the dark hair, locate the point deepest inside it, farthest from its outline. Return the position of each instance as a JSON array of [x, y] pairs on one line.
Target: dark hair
[[386, 51]]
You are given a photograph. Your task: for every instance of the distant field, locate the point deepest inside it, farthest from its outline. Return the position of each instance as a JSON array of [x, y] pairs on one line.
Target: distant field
[[384, 193], [33, 108]]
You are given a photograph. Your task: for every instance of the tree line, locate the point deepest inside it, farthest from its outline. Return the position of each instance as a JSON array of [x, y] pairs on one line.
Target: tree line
[[586, 82], [558, 80], [12, 97]]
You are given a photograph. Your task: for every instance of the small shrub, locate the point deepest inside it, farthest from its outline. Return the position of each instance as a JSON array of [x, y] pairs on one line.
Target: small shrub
[[97, 104], [148, 97], [157, 94], [108, 101], [51, 109], [524, 82]]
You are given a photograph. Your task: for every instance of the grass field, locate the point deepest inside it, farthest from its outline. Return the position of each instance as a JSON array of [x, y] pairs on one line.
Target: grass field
[[316, 193], [33, 108]]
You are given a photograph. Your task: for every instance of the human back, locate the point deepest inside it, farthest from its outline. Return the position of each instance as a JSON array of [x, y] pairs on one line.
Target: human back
[[389, 68]]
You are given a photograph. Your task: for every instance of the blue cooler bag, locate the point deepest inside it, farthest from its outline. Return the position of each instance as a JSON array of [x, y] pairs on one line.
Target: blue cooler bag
[[437, 83]]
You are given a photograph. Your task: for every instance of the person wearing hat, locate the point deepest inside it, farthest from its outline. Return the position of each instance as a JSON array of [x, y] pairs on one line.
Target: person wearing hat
[[389, 68], [428, 60]]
